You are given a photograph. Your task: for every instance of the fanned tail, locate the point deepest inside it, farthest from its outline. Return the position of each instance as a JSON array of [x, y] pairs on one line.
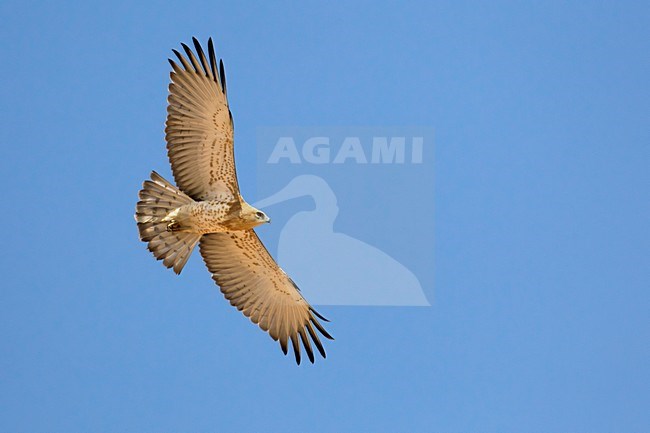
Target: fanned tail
[[157, 198]]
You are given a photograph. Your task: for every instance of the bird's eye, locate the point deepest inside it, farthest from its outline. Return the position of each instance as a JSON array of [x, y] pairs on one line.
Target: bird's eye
[[259, 214]]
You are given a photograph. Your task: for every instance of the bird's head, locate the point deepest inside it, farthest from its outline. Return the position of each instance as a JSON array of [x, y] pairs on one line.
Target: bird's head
[[253, 216]]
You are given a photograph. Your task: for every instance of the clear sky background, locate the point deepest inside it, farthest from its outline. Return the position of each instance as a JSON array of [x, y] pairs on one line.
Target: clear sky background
[[539, 321]]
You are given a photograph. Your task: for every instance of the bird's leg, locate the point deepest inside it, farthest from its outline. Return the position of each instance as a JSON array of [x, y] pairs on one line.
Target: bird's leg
[[173, 226]]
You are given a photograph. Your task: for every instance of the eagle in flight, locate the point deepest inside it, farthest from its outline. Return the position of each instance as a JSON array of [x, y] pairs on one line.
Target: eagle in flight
[[206, 208]]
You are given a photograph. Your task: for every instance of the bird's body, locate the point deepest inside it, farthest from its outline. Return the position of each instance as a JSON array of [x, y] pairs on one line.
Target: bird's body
[[202, 217], [214, 216], [206, 208]]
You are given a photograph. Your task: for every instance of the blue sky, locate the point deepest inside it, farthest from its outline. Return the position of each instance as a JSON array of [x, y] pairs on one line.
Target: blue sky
[[539, 321]]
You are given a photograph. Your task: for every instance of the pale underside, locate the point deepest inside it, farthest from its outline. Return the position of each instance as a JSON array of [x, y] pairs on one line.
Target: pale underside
[[201, 217], [199, 136]]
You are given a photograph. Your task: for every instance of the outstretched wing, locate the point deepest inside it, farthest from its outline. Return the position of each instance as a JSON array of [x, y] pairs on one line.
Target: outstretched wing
[[199, 130], [251, 280]]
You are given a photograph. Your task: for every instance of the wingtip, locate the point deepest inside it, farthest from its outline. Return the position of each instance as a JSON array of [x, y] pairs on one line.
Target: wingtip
[[305, 343], [315, 339], [318, 314], [179, 56], [296, 348], [321, 329], [222, 77], [213, 60]]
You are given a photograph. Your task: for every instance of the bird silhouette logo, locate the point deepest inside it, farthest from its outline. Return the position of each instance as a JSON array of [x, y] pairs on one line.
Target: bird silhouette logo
[[335, 268]]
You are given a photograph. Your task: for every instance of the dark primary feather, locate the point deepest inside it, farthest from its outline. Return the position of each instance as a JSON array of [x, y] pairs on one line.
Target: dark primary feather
[[186, 65], [222, 74], [201, 54], [314, 336], [307, 345], [213, 60], [317, 314], [296, 347], [193, 60]]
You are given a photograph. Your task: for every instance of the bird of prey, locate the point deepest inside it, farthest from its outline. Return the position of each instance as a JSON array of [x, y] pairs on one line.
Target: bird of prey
[[205, 207]]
